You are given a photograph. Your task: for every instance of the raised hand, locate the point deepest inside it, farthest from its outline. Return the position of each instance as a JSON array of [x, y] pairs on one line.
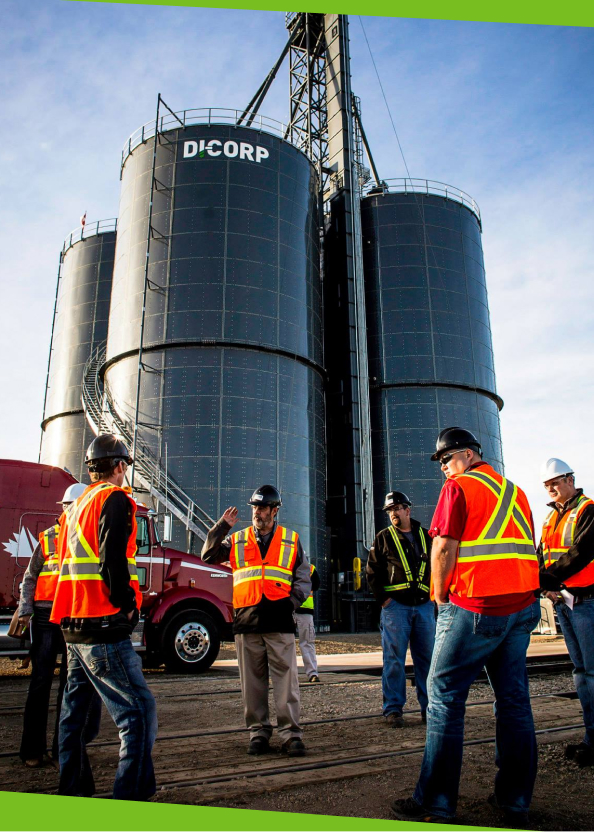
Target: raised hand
[[231, 516]]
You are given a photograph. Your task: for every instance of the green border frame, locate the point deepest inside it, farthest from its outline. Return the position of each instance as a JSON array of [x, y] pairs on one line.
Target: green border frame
[[71, 814], [547, 12], [49, 812]]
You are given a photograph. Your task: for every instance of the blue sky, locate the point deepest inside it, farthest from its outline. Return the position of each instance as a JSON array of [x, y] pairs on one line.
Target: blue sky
[[503, 111]]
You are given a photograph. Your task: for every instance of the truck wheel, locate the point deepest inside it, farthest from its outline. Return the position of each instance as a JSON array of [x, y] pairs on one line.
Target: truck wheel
[[191, 642]]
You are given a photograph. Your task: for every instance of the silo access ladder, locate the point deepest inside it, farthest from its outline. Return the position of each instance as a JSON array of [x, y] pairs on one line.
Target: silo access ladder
[[103, 415]]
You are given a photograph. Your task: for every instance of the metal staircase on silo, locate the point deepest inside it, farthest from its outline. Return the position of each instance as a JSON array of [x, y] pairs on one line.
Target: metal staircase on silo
[[103, 415]]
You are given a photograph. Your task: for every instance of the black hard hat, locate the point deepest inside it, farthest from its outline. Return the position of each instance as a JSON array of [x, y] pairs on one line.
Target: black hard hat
[[451, 439], [266, 495], [394, 498], [106, 446]]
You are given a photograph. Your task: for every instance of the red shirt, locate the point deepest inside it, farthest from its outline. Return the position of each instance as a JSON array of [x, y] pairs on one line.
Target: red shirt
[[449, 520]]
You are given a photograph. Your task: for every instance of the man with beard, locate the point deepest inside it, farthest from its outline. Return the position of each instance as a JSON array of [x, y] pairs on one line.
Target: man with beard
[[271, 579], [399, 575]]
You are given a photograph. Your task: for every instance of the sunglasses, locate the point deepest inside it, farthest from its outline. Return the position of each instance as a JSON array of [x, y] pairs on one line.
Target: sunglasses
[[448, 457]]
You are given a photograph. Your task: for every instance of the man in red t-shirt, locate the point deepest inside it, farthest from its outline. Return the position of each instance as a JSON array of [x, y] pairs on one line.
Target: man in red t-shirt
[[485, 578]]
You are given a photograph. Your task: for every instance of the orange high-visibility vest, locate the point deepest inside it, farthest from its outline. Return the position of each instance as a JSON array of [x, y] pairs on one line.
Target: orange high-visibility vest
[[556, 541], [496, 555], [254, 577], [48, 577], [81, 590]]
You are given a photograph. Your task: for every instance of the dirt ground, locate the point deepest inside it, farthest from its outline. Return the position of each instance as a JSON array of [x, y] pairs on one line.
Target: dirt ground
[[564, 795]]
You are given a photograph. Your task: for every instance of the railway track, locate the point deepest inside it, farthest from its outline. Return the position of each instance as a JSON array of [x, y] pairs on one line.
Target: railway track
[[239, 729], [536, 666], [317, 765], [237, 777], [209, 764]]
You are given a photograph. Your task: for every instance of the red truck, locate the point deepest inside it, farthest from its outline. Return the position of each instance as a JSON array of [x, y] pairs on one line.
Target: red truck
[[187, 605]]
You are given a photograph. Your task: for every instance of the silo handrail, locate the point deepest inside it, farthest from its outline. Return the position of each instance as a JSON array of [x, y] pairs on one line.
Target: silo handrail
[[90, 229], [102, 413], [407, 185], [203, 115]]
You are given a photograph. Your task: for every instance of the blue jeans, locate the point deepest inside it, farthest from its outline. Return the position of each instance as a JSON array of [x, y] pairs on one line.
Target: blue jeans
[[577, 626], [114, 671], [400, 624], [465, 642]]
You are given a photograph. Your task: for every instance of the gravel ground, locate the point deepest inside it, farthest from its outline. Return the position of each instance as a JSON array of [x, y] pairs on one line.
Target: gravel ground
[[562, 798], [561, 786]]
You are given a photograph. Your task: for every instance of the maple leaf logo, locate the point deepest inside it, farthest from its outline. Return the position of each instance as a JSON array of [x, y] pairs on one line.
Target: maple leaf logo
[[22, 545]]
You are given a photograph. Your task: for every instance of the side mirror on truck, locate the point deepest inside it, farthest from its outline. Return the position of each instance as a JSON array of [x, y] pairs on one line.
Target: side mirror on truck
[[167, 528]]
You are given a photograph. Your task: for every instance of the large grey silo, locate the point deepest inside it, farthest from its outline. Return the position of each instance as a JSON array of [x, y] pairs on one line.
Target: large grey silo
[[232, 378], [430, 351], [80, 325]]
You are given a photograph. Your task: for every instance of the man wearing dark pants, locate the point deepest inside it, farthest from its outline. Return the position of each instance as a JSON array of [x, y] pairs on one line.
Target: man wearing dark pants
[[566, 555], [399, 575], [485, 572], [270, 580], [47, 643], [97, 604]]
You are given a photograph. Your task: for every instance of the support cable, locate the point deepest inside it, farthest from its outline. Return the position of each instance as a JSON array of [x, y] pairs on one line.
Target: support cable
[[381, 86], [426, 240]]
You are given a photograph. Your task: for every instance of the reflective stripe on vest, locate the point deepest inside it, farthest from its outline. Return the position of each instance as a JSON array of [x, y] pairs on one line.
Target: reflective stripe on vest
[[556, 540], [240, 541], [253, 577], [47, 580], [407, 570], [496, 554], [81, 591], [491, 543]]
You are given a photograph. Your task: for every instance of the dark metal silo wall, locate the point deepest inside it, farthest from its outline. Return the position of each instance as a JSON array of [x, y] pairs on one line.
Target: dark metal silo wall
[[430, 351], [80, 324], [232, 340]]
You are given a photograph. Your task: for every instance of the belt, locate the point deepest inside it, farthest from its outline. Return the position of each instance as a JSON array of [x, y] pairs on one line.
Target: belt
[[587, 597], [102, 621]]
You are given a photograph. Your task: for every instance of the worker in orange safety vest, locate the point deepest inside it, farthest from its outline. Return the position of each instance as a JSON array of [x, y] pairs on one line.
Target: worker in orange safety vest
[[97, 604], [484, 573], [271, 579], [566, 555]]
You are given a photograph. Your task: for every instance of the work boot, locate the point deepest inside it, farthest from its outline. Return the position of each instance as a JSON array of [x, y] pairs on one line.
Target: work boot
[[394, 720], [517, 819], [258, 745], [572, 748], [315, 679], [408, 809], [293, 747], [584, 756], [36, 762]]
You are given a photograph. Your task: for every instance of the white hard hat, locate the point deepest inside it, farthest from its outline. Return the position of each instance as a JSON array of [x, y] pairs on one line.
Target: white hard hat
[[554, 467], [73, 492]]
